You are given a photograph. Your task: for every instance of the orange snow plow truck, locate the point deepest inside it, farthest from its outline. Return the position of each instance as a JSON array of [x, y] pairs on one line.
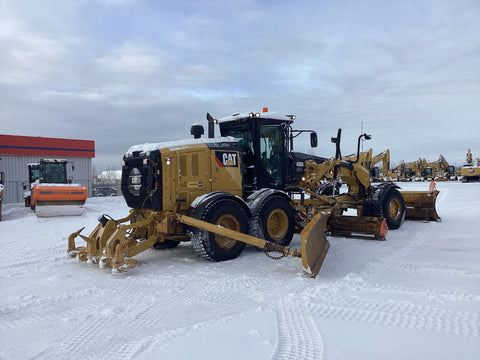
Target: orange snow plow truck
[[246, 187], [51, 193]]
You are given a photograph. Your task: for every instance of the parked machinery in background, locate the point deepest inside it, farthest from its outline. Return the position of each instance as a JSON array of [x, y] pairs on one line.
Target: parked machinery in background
[[50, 192], [471, 169]]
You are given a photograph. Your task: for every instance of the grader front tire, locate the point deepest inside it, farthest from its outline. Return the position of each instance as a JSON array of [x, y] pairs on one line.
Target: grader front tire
[[226, 213]]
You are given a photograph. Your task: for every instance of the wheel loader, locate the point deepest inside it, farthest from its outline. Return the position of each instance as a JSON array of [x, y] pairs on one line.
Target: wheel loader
[[246, 187]]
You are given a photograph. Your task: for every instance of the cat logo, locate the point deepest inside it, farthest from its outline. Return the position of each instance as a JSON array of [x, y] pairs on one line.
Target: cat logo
[[226, 158]]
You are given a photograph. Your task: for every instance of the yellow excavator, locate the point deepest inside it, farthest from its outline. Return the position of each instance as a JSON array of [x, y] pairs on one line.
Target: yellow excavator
[[438, 170], [368, 161], [471, 170], [411, 171], [246, 187]]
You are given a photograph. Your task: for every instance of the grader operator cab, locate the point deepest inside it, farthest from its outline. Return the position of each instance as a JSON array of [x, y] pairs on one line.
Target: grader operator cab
[[246, 187]]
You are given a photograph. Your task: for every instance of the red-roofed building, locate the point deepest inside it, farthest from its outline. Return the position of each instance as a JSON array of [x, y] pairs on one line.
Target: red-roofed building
[[16, 152]]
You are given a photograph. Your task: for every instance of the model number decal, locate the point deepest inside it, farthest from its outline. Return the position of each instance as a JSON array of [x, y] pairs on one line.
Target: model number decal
[[226, 158]]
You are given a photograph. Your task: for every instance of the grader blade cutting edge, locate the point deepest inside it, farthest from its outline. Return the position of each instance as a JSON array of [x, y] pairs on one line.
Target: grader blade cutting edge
[[314, 244], [420, 205]]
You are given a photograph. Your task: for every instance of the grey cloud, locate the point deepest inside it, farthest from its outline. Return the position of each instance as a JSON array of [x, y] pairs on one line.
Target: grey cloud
[[126, 72]]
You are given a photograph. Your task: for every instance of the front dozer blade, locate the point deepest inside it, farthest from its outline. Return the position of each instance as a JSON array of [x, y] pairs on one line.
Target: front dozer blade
[[420, 205], [314, 244]]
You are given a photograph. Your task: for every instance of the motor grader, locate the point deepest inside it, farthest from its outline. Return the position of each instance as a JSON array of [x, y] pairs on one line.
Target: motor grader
[[246, 187]]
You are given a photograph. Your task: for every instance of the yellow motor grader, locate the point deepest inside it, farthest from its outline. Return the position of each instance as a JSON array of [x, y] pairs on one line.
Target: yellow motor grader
[[246, 187]]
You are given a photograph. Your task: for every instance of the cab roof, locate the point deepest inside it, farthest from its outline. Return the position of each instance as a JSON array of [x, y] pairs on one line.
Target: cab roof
[[258, 115]]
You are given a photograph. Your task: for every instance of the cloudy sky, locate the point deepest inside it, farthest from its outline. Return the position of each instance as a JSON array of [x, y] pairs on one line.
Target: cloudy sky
[[123, 72]]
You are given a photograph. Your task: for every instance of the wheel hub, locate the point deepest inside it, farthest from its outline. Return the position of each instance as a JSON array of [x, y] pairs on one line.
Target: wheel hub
[[227, 221], [395, 209], [277, 224]]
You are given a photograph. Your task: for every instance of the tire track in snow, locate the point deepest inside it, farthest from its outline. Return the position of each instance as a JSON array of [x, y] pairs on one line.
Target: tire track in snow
[[94, 333], [44, 257], [135, 315], [429, 293], [160, 340], [299, 337], [399, 314], [228, 304], [425, 270], [42, 302]]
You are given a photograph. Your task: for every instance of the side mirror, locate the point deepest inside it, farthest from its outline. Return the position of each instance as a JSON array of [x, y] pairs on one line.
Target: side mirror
[[313, 139]]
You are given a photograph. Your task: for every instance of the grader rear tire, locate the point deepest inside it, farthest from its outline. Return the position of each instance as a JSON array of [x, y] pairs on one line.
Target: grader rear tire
[[226, 213]]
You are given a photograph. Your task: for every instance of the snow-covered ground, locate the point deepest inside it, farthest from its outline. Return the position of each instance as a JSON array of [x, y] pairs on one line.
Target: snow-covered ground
[[414, 296]]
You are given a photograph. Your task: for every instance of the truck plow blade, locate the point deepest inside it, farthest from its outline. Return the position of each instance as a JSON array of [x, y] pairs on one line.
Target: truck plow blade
[[59, 199], [58, 210], [420, 205]]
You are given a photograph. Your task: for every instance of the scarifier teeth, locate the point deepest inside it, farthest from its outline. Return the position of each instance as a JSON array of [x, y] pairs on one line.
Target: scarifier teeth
[[82, 255], [92, 260], [105, 263], [123, 266], [71, 239], [79, 253], [72, 254], [86, 238]]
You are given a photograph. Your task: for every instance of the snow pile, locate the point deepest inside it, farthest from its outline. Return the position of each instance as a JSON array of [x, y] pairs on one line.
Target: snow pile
[[414, 296], [110, 174], [147, 148]]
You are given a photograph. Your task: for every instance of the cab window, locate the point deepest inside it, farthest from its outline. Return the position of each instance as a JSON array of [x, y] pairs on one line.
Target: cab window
[[271, 151]]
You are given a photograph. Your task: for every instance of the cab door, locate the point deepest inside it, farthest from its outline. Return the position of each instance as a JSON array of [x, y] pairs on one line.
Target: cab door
[[272, 156]]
